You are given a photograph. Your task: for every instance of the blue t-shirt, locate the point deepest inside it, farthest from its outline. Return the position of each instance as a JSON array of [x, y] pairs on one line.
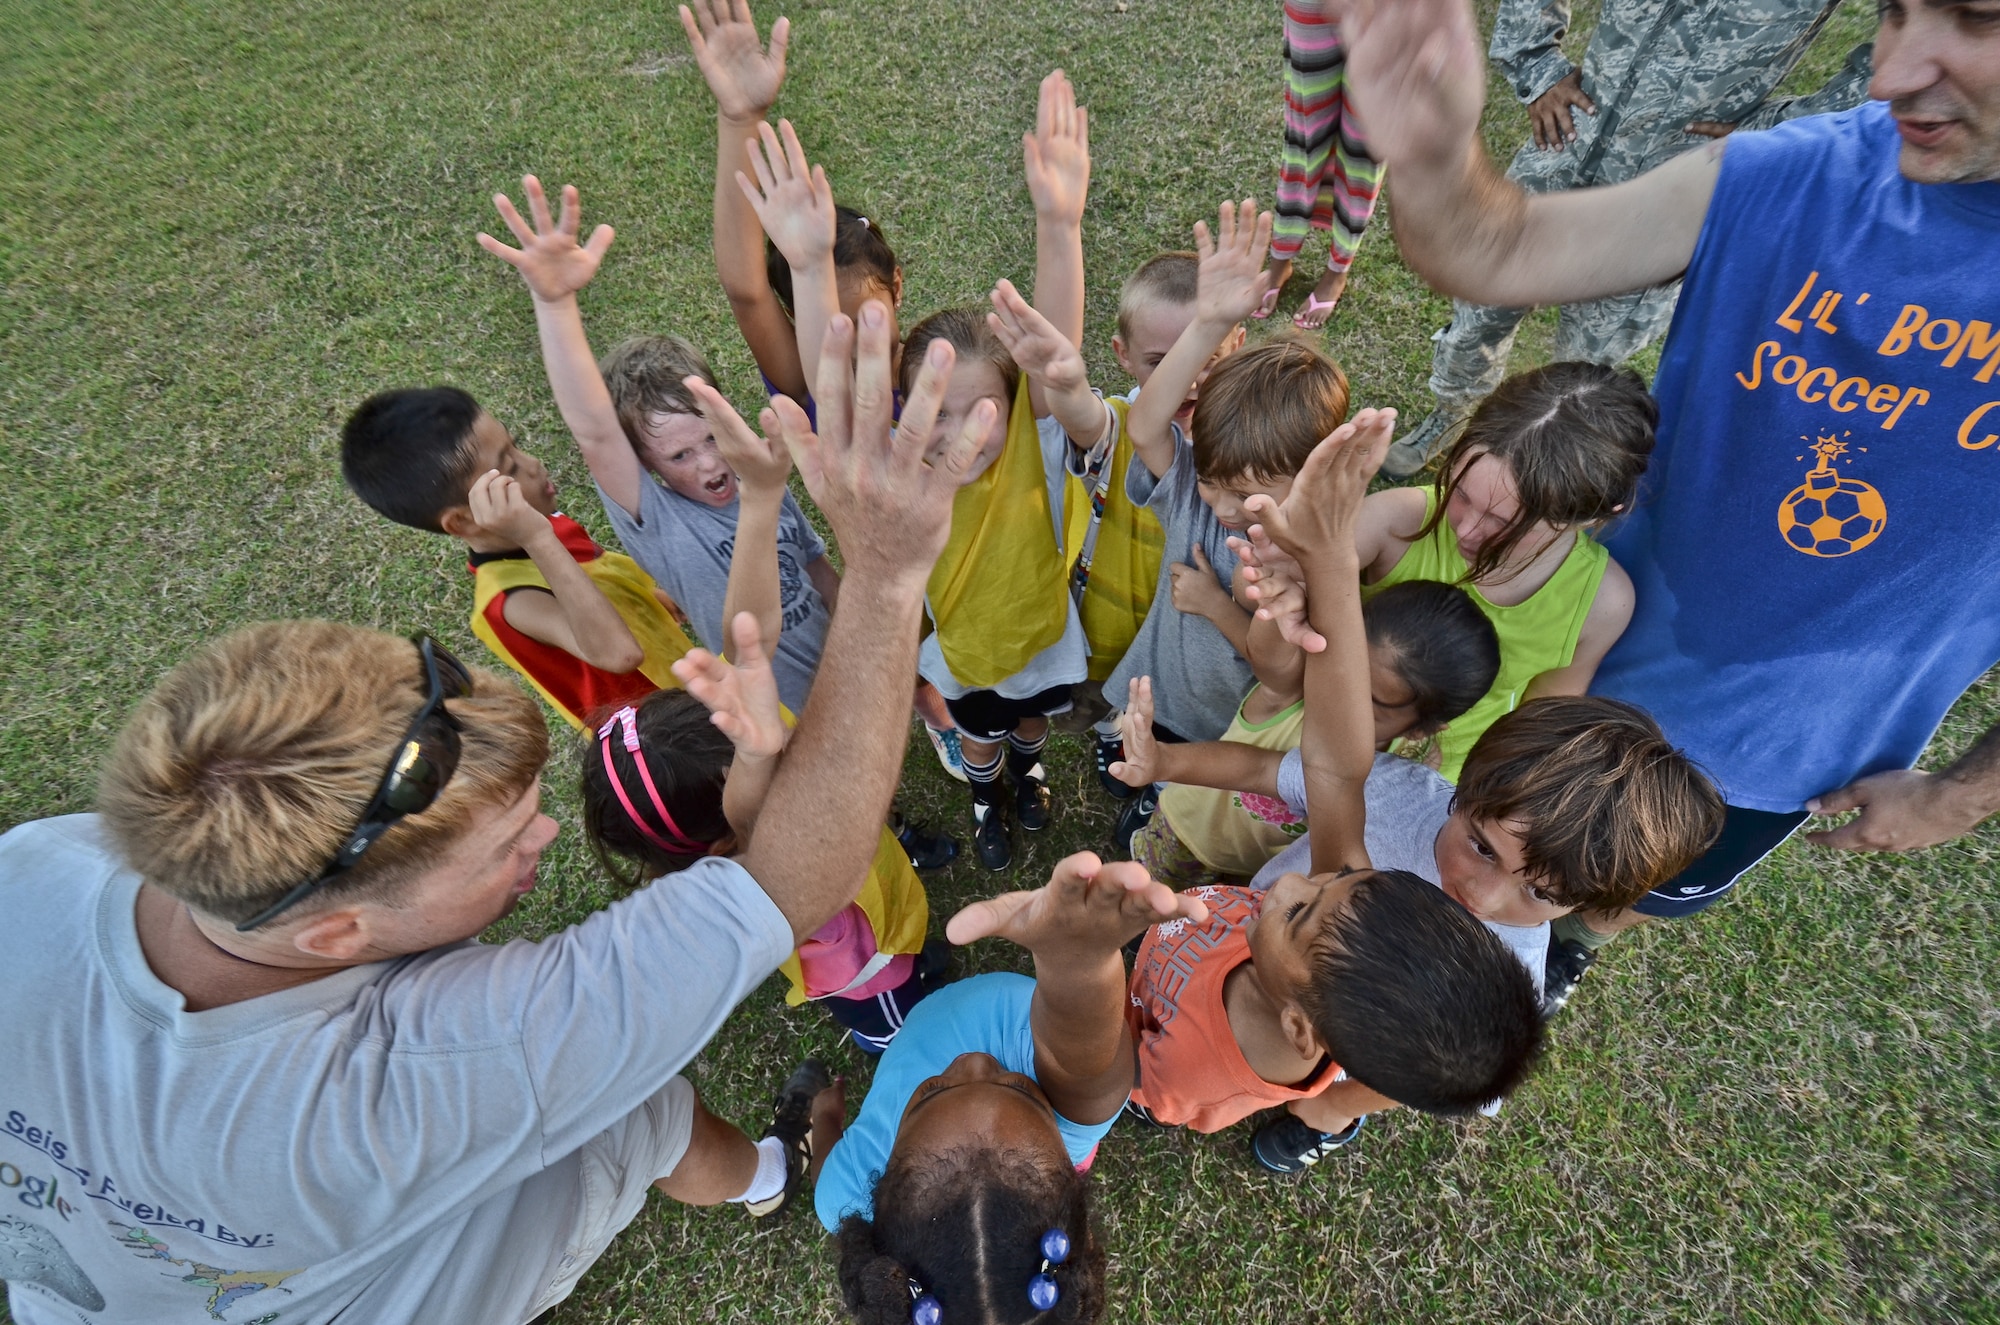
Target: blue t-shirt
[[1814, 550], [986, 1014]]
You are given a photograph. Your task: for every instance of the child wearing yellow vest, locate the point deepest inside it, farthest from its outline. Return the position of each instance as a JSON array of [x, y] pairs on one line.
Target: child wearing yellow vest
[[663, 785], [584, 626], [1551, 454]]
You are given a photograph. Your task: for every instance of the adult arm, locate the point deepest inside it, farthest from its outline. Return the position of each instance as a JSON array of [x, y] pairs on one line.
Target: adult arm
[[891, 513], [1417, 79], [745, 78], [573, 614], [1610, 612], [1906, 809]]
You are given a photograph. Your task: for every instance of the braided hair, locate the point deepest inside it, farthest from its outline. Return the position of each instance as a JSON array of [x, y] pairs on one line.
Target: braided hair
[[965, 1228]]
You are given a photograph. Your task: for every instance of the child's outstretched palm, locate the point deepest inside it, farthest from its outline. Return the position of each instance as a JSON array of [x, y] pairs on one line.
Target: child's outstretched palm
[[1058, 152], [1135, 730], [1231, 280], [1038, 348], [744, 77], [792, 199], [550, 260], [1086, 909], [1324, 505], [1277, 584], [762, 463], [741, 696]]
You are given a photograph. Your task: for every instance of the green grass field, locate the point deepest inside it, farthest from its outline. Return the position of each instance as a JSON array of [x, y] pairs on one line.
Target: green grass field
[[222, 224]]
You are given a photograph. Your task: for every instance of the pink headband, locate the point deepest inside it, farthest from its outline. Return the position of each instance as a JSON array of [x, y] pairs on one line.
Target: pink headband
[[628, 718]]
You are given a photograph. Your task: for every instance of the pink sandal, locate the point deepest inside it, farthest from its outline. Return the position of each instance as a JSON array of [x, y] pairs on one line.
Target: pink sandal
[[1314, 304], [1270, 302]]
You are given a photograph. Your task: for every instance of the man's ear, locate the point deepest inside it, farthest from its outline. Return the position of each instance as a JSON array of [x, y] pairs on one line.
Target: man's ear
[[339, 935], [1300, 1033], [458, 522]]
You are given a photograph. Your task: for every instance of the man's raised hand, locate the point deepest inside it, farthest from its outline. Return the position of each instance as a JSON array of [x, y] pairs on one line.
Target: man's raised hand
[[889, 506], [550, 260], [1086, 909], [1417, 74], [743, 76]]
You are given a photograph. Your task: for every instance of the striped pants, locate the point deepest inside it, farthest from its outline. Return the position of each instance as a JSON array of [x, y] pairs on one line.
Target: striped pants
[[1327, 179]]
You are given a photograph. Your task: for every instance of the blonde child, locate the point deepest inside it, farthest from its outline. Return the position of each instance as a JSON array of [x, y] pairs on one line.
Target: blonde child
[[1007, 644], [1547, 457]]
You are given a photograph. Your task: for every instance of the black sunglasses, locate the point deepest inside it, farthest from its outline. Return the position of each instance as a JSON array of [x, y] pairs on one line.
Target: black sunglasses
[[424, 761]]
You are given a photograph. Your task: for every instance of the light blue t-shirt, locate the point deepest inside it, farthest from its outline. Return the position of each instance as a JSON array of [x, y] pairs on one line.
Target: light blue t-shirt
[[986, 1014]]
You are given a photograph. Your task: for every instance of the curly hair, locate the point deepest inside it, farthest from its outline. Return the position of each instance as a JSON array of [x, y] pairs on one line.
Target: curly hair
[[966, 1227]]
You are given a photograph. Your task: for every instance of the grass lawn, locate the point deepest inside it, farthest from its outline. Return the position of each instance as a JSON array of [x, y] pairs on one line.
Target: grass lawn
[[223, 223]]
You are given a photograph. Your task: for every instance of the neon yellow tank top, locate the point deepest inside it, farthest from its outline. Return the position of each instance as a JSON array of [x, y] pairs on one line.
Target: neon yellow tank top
[[1537, 635]]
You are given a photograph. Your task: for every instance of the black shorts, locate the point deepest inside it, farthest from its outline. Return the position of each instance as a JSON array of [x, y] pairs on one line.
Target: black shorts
[[987, 715], [1747, 837]]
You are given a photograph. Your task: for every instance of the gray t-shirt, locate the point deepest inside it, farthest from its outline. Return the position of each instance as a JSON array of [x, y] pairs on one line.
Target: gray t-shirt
[[1067, 660], [1407, 806], [392, 1143], [685, 546], [1198, 677]]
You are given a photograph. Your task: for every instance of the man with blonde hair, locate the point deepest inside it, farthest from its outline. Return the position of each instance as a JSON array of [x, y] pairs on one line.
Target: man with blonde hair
[[269, 1068]]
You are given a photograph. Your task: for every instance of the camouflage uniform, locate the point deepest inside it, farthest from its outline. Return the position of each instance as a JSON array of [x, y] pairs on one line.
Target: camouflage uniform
[[1652, 67]]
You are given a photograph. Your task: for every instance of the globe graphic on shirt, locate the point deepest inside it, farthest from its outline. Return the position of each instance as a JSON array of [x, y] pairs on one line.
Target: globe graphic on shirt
[[1830, 515]]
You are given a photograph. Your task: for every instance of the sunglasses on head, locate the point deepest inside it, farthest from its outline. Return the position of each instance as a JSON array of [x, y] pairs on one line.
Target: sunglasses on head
[[424, 761]]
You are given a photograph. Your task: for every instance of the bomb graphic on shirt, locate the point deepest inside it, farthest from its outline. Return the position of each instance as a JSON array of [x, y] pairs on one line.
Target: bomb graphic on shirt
[[1831, 515]]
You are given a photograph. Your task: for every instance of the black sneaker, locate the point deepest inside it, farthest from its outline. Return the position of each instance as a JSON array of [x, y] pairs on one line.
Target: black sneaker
[[1137, 813], [926, 849], [1031, 798], [1563, 972], [1110, 752], [934, 964], [791, 1122], [1286, 1145], [1143, 1116], [990, 842]]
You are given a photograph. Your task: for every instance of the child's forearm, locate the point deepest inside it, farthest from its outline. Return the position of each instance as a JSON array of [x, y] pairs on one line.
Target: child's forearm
[[739, 262], [1224, 765], [744, 790], [596, 633], [1334, 1108], [1233, 622], [1150, 420], [1058, 294], [1078, 1015], [1279, 665], [815, 299], [584, 402], [1084, 416], [753, 569], [1337, 748]]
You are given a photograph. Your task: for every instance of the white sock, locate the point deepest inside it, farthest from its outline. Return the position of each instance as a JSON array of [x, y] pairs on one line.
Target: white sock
[[770, 1179]]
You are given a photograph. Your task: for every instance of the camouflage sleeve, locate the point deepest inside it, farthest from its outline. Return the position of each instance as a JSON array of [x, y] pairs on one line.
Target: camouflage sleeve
[[1526, 46], [1846, 89]]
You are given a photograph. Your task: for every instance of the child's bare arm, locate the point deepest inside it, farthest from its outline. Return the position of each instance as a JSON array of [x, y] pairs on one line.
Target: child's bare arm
[[1315, 525], [1230, 286], [1057, 154], [742, 696], [1053, 365], [794, 204], [1075, 925], [555, 267], [1334, 1108], [745, 79], [762, 465], [1226, 765], [1610, 612], [574, 615]]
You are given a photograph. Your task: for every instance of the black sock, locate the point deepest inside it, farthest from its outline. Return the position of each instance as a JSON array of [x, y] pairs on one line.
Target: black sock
[[1023, 754], [984, 779]]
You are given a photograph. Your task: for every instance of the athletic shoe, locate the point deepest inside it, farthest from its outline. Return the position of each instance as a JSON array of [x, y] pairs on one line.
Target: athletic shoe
[[1415, 450], [1286, 1145], [934, 965], [1143, 1116], [1138, 812], [1110, 752], [791, 1123], [927, 850], [1562, 973], [949, 752], [990, 842], [1031, 799]]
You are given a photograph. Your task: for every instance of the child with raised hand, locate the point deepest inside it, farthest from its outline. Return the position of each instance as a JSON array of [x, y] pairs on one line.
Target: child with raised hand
[[1549, 456], [1350, 989], [1007, 644], [745, 78], [1431, 655], [585, 627], [668, 783], [959, 1192]]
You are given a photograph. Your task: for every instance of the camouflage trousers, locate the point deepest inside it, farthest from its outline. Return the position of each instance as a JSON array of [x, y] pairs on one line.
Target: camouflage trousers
[[1471, 354]]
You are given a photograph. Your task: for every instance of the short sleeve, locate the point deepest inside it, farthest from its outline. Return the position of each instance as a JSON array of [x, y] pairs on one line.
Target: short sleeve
[[1292, 780], [1143, 489]]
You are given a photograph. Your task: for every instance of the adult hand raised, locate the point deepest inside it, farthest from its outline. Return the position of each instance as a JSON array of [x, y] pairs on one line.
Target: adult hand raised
[[1417, 75], [890, 506]]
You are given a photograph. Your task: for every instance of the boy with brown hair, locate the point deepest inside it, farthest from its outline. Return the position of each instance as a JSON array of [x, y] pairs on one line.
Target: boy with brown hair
[[1355, 988], [586, 627]]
